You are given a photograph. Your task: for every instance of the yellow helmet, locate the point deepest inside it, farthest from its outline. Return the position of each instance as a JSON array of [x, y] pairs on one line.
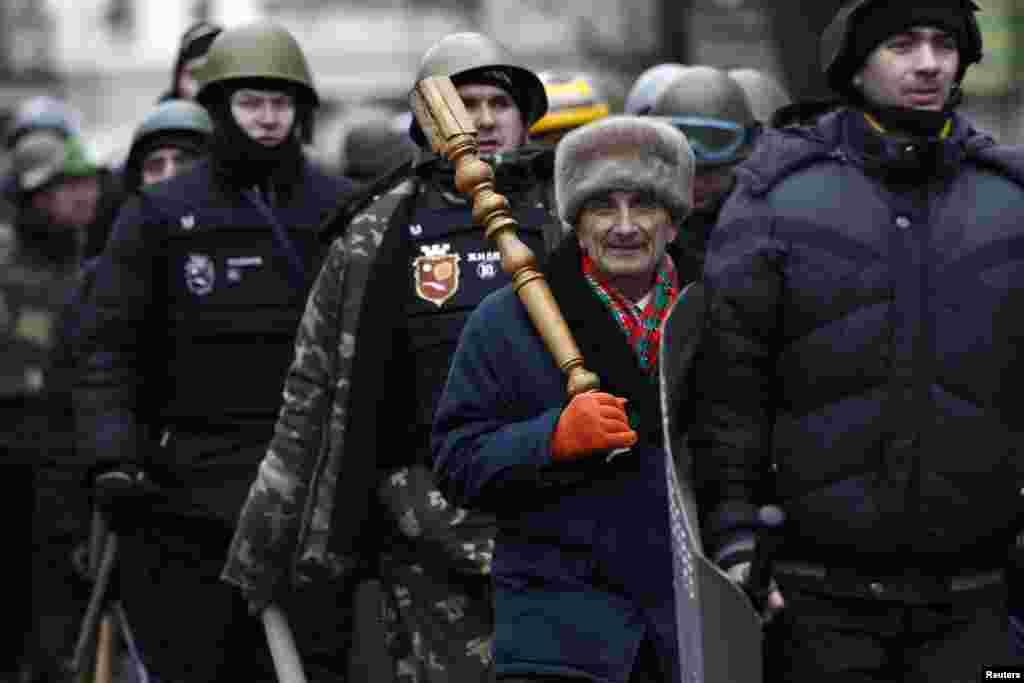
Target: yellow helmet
[[572, 102]]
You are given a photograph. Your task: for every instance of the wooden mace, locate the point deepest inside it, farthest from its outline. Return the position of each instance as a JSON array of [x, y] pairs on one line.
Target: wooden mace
[[449, 128]]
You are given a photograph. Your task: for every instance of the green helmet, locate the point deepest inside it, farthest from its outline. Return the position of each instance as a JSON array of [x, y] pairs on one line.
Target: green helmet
[[258, 50], [764, 94], [473, 57], [713, 111], [181, 123], [645, 89], [840, 64], [40, 157]]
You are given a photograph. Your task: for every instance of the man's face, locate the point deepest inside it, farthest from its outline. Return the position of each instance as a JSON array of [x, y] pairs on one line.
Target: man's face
[[915, 69], [711, 185], [496, 116], [70, 201], [188, 85], [267, 116], [165, 162], [625, 234]]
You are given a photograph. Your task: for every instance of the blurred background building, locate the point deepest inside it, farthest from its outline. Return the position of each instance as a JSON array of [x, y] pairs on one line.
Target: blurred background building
[[112, 58]]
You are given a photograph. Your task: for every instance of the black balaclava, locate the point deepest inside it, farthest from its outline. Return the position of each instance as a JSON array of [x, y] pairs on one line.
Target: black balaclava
[[242, 163], [193, 142], [889, 19]]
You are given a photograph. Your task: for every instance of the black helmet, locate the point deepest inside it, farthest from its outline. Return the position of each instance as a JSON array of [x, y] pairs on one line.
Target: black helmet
[[180, 123], [473, 57], [839, 62]]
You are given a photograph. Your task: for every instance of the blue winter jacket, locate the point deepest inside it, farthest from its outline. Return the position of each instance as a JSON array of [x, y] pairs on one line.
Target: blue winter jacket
[[854, 356], [582, 564]]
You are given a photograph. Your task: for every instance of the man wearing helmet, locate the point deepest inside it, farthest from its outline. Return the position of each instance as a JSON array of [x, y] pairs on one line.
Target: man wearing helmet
[[851, 363], [195, 302], [391, 301], [712, 110], [170, 139]]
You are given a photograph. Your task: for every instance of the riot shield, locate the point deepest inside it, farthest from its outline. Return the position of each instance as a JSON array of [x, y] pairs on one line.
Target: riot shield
[[719, 629]]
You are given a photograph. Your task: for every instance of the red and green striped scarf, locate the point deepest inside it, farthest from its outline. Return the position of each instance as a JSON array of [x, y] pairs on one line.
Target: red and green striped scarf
[[642, 326]]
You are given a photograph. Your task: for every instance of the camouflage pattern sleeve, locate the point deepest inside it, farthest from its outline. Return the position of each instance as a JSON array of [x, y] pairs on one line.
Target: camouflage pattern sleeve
[[261, 554], [462, 539], [284, 528]]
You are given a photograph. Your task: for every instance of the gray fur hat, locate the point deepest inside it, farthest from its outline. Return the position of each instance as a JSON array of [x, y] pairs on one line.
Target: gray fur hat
[[624, 153]]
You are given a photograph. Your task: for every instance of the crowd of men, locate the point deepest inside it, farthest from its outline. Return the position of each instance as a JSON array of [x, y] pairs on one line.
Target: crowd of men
[[237, 385]]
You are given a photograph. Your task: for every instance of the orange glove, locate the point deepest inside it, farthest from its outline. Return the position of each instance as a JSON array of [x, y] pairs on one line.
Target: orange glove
[[593, 421]]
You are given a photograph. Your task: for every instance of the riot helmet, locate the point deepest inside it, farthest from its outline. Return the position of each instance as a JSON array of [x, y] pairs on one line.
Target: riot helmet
[[645, 89], [713, 111], [861, 25], [476, 58]]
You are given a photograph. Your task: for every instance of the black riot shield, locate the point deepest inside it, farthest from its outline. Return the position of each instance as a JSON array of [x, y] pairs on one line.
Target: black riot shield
[[719, 629]]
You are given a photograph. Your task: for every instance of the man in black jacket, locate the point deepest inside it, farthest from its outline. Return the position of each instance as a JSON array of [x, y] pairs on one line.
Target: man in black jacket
[[851, 373], [196, 300]]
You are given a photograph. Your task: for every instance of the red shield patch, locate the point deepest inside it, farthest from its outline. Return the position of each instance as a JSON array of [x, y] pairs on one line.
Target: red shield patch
[[437, 277]]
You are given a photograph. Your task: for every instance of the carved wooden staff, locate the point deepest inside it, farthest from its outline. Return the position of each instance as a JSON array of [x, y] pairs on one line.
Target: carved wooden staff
[[450, 130]]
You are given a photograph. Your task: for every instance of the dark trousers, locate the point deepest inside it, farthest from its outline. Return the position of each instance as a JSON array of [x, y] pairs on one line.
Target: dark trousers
[[645, 670], [822, 637], [189, 625]]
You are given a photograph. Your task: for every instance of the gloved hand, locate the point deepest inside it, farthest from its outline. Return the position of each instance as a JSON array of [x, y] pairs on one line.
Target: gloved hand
[[593, 421], [123, 492], [767, 599]]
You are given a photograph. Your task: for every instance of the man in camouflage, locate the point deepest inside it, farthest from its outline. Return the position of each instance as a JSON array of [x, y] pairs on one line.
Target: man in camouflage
[[56, 194], [346, 489]]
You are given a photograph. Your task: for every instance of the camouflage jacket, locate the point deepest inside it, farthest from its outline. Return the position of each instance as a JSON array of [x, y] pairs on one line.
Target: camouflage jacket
[[292, 530]]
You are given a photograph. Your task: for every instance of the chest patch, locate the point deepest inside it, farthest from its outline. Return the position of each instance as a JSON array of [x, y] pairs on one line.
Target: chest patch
[[436, 274], [200, 274]]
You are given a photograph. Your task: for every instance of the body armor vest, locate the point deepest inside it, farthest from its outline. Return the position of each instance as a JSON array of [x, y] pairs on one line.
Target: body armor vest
[[234, 302], [453, 267]]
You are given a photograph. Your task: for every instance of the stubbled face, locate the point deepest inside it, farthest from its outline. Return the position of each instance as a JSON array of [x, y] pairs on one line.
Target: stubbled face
[[165, 162], [711, 185], [915, 69], [70, 200], [625, 234], [188, 84], [496, 116], [267, 116]]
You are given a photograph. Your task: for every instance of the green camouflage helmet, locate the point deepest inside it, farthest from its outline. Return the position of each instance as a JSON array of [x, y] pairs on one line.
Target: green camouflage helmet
[[765, 94], [259, 50], [42, 156], [837, 42], [464, 57]]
